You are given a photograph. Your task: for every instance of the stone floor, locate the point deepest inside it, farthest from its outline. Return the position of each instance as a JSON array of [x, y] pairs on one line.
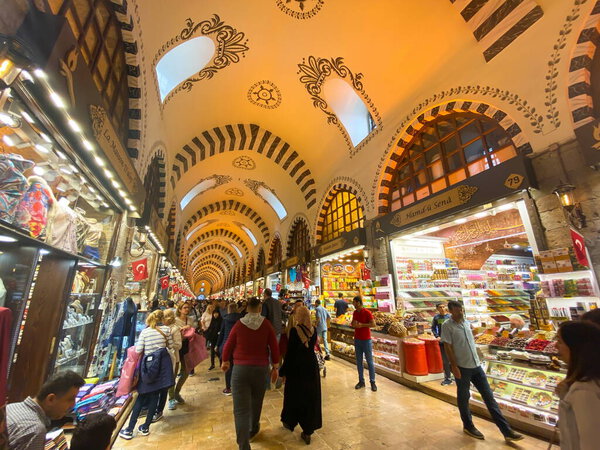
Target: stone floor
[[395, 417]]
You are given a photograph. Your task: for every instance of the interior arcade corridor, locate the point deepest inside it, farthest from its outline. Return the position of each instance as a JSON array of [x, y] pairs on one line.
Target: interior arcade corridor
[[395, 417]]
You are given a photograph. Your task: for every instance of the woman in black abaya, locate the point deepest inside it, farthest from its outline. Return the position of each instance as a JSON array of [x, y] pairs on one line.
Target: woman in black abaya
[[302, 393]]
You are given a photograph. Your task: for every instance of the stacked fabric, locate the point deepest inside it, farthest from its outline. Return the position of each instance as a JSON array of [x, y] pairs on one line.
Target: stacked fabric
[[99, 398], [56, 440]]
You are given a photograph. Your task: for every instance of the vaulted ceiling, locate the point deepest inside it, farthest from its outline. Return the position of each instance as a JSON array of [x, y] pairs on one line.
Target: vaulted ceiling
[[256, 117]]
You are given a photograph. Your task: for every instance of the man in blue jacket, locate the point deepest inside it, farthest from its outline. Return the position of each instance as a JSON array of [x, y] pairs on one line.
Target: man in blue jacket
[[229, 320], [436, 329]]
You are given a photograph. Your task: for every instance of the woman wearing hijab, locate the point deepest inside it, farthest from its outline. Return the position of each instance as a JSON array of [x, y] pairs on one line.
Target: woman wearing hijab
[[302, 393]]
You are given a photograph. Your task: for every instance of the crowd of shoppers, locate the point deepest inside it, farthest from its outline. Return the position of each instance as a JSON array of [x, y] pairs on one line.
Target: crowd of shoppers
[[271, 340]]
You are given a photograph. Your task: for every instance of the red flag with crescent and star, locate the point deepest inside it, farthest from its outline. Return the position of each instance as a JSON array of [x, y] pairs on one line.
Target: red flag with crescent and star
[[580, 249], [175, 289], [140, 269], [164, 282]]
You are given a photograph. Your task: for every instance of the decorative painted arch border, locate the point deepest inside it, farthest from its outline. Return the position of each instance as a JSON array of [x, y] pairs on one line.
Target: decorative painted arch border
[[159, 156], [335, 187], [171, 218], [213, 271], [314, 72], [406, 131], [260, 254], [210, 260], [211, 279], [580, 99], [214, 255], [298, 219], [223, 234], [232, 205], [132, 59], [249, 137], [208, 247]]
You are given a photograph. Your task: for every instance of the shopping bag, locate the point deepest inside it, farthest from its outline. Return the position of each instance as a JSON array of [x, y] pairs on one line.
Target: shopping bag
[[197, 349], [129, 372]]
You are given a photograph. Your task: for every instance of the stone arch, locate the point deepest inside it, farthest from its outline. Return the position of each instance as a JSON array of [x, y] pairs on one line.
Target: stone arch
[[404, 135], [212, 271], [580, 99], [334, 189], [275, 251], [261, 261], [497, 24], [222, 234], [233, 205], [157, 162], [208, 261], [134, 60], [250, 267], [248, 137], [298, 221], [208, 247], [171, 223]]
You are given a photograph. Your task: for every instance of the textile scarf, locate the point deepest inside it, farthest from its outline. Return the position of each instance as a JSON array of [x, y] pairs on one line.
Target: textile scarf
[[303, 324]]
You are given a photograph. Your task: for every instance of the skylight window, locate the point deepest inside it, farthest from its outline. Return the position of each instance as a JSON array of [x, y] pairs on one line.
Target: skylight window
[[196, 190], [349, 108], [237, 250], [191, 233], [273, 201], [196, 248], [249, 233], [183, 61]]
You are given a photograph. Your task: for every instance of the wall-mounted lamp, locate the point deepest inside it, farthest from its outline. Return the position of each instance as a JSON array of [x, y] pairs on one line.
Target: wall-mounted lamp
[[141, 241], [566, 196]]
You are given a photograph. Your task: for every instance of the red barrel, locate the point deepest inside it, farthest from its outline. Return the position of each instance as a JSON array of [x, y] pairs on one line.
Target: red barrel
[[434, 354], [415, 357]]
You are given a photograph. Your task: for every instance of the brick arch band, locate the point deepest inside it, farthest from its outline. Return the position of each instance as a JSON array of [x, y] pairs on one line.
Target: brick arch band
[[212, 256], [208, 247], [233, 205], [332, 192], [273, 246], [223, 234], [211, 259], [580, 99], [212, 271], [159, 157], [297, 221], [249, 137], [512, 129]]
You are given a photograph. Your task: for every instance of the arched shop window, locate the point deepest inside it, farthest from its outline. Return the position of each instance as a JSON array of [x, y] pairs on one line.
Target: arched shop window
[[152, 184], [99, 41], [300, 240], [275, 255], [446, 151], [344, 213]]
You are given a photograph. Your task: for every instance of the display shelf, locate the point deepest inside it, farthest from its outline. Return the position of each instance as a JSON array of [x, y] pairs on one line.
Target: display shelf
[[60, 363], [495, 377], [78, 325], [520, 417], [525, 365]]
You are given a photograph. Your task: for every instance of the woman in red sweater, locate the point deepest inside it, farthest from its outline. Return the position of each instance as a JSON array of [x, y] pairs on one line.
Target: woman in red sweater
[[252, 343]]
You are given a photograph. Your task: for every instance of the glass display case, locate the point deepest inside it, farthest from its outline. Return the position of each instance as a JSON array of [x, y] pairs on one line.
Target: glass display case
[[81, 321]]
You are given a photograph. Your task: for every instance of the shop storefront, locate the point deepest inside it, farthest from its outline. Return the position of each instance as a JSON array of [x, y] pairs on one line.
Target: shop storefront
[[273, 279], [296, 279]]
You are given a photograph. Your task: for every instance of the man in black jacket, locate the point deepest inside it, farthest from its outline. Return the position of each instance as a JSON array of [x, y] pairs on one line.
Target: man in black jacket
[[271, 310]]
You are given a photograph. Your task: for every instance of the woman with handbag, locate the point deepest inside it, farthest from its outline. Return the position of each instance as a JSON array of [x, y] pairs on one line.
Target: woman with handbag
[[169, 320], [578, 419], [184, 323], [155, 372], [212, 335]]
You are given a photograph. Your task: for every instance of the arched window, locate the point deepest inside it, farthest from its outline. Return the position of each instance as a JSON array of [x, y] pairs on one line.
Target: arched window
[[299, 242], [275, 255], [344, 213], [446, 151], [98, 34], [152, 185]]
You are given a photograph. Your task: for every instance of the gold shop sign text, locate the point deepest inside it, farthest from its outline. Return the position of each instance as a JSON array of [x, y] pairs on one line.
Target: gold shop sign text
[[440, 203], [113, 149], [330, 247]]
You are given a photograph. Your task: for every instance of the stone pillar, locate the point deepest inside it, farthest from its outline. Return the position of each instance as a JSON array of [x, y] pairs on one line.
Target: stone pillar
[[550, 172], [119, 274], [379, 251]]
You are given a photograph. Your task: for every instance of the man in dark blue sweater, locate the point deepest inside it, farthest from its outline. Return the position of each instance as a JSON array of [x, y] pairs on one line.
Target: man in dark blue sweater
[[436, 329]]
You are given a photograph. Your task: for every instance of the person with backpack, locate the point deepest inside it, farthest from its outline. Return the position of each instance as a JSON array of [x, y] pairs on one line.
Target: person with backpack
[[155, 373]]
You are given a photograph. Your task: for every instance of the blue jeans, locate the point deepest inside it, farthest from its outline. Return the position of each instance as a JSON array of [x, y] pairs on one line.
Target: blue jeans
[[479, 380], [323, 336], [364, 347], [150, 400]]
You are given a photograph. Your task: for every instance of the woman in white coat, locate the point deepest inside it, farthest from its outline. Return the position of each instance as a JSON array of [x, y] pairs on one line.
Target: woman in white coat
[[579, 411]]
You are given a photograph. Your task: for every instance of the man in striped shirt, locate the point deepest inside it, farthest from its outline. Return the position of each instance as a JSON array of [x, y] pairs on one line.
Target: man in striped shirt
[[27, 421]]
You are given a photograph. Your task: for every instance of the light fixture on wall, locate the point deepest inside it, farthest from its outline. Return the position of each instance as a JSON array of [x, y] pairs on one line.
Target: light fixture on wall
[[116, 262], [141, 241], [566, 195]]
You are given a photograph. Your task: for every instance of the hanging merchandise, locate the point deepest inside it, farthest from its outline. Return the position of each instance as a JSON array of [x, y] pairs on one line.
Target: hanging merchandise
[[164, 282], [64, 228], [140, 269], [35, 207], [365, 273], [580, 248], [13, 184]]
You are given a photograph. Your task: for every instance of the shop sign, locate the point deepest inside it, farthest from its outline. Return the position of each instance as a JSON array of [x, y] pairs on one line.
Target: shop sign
[[498, 182], [291, 262], [589, 138], [273, 269], [117, 155], [346, 240]]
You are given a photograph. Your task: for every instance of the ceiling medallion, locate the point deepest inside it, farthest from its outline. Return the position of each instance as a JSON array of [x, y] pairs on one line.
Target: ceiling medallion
[[244, 162], [300, 9], [228, 213], [234, 191], [264, 94]]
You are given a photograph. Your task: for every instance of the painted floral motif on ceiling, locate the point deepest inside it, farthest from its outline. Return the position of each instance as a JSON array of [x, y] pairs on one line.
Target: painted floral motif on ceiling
[[234, 191], [300, 9], [244, 162], [228, 213], [265, 94], [315, 71], [230, 47]]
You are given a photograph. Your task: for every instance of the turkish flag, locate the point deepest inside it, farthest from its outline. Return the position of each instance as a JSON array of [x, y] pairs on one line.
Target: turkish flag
[[175, 289], [140, 269], [164, 282], [580, 249]]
